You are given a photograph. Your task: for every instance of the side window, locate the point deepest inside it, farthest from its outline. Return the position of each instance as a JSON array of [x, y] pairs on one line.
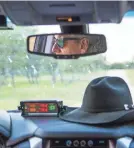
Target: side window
[[40, 44]]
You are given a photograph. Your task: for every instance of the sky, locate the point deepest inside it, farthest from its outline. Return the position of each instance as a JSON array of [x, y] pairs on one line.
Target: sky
[[120, 37]]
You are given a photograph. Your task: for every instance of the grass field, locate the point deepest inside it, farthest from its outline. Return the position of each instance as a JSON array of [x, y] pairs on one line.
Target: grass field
[[130, 75], [70, 93]]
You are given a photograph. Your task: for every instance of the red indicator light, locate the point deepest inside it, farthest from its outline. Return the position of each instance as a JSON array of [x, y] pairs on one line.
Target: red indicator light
[[32, 109], [43, 110], [43, 105]]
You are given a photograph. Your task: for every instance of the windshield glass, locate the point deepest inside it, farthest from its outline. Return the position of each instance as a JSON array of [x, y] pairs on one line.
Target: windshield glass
[[33, 77]]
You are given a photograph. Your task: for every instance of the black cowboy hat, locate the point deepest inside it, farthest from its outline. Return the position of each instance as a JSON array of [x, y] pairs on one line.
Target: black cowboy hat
[[106, 100]]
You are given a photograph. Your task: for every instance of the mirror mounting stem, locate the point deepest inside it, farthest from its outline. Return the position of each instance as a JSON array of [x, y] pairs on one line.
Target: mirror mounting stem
[[75, 29]]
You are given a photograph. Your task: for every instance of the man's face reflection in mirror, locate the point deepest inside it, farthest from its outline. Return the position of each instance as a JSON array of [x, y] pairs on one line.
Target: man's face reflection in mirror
[[70, 44]]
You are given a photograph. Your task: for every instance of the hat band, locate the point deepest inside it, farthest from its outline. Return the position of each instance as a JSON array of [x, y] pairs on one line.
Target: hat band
[[128, 107]]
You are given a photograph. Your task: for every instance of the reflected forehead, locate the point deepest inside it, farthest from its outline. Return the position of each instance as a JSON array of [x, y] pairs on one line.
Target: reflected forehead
[[64, 36], [59, 36]]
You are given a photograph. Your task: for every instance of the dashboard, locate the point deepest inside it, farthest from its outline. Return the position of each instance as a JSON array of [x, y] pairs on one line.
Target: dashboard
[[52, 132]]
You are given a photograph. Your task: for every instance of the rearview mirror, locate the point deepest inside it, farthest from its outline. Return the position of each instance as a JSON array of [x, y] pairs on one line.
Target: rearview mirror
[[66, 45]]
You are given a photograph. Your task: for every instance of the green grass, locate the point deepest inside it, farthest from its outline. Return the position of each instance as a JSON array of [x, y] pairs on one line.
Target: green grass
[[70, 93], [130, 75]]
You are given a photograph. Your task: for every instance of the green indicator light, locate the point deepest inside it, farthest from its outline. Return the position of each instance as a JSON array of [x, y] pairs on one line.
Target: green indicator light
[[52, 107]]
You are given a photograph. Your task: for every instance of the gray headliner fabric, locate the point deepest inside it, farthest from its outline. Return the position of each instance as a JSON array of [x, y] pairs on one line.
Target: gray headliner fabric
[[45, 12]]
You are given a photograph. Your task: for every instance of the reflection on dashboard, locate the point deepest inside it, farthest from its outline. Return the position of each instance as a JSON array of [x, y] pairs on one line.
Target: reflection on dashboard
[[35, 142]]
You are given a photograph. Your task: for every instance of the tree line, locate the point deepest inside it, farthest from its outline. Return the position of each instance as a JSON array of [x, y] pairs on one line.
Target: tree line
[[15, 60]]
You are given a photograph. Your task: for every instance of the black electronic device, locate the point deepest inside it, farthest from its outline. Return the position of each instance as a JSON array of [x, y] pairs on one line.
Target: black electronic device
[[40, 107]]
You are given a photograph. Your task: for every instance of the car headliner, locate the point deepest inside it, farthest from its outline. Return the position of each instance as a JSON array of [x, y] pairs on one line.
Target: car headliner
[[46, 12]]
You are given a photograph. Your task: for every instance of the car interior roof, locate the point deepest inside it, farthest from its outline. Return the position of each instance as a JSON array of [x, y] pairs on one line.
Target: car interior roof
[[46, 12]]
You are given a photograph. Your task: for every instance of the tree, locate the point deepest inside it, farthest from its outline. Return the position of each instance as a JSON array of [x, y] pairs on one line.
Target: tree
[[13, 50]]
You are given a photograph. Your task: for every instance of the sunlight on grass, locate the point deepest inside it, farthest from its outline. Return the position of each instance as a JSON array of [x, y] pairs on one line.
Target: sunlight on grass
[[130, 75], [70, 92]]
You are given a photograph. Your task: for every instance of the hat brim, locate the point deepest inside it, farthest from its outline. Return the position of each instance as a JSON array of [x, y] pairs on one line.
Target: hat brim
[[79, 116]]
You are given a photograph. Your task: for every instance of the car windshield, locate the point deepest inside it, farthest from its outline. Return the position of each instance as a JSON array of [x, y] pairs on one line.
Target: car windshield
[[32, 77]]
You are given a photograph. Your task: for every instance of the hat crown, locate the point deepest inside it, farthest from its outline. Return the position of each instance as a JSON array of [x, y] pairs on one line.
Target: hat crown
[[106, 94]]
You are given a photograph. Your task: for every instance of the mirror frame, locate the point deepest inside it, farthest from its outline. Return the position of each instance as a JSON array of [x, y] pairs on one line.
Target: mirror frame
[[64, 56]]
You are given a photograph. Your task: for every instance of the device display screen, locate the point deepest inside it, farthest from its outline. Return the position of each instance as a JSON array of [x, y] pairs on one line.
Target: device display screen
[[39, 108]]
